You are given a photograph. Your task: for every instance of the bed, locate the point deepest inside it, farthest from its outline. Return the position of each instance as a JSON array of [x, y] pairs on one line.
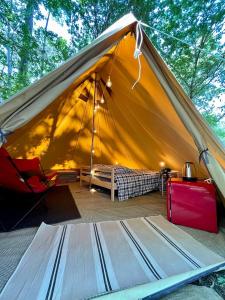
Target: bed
[[127, 182]]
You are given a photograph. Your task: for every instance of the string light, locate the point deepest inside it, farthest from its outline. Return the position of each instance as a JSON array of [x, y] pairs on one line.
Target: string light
[[93, 151], [162, 164], [94, 130], [109, 82], [97, 106], [102, 101]]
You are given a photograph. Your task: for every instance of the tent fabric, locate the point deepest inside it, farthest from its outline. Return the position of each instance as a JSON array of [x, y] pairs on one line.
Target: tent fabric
[[205, 140], [26, 104], [130, 126], [155, 121]]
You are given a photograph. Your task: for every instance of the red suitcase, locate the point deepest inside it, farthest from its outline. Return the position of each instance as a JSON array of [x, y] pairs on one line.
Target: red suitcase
[[192, 204]]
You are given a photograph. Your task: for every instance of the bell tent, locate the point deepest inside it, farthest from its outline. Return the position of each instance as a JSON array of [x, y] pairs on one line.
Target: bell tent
[[114, 102]]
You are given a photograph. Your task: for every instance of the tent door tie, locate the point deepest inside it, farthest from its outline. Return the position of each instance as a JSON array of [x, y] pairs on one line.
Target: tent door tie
[[137, 51], [201, 156]]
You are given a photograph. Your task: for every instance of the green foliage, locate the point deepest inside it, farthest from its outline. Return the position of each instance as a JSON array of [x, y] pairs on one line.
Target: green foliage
[[27, 51], [218, 127]]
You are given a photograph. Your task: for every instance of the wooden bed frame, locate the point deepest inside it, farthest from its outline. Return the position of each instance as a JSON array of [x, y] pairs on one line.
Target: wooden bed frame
[[97, 176]]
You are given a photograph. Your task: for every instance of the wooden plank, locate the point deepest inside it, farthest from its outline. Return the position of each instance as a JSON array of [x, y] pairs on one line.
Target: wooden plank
[[85, 172], [98, 182], [98, 173], [102, 169]]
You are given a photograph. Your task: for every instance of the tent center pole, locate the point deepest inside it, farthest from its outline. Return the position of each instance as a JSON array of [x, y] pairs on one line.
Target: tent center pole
[[93, 128]]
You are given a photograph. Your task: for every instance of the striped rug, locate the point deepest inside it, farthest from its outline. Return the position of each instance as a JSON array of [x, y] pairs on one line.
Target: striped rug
[[85, 260]]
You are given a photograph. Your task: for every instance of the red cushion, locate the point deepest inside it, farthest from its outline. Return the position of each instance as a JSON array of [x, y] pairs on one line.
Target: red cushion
[[4, 152], [29, 167], [37, 185], [10, 178], [23, 175]]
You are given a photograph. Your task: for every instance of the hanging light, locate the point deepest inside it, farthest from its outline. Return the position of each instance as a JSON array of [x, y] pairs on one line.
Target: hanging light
[[92, 190], [162, 164], [94, 130], [109, 82], [97, 106], [93, 151], [102, 101]]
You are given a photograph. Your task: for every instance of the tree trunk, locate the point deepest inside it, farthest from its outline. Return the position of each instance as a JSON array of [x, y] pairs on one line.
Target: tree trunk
[[44, 44], [9, 61], [9, 50], [28, 30]]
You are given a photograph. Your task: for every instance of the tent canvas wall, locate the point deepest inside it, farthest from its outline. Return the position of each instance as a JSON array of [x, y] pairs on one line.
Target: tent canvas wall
[[137, 127]]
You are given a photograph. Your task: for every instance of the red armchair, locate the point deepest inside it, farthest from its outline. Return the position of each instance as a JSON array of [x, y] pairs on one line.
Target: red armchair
[[24, 176]]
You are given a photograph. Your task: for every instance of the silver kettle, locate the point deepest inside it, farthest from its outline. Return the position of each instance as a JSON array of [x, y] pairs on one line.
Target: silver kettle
[[189, 171]]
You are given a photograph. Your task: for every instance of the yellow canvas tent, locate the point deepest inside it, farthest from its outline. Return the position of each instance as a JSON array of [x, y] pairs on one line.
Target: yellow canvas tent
[[155, 121]]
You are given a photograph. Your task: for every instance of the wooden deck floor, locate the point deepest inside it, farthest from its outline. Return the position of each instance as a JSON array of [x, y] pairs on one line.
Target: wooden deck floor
[[97, 206]]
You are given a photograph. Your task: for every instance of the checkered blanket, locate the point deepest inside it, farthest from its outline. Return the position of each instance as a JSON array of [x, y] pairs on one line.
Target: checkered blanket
[[136, 183]]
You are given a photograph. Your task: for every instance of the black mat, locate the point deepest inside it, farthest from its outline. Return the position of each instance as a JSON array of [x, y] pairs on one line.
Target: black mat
[[58, 206]]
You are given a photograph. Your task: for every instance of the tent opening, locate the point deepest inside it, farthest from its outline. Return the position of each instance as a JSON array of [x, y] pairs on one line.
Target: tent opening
[[137, 128]]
